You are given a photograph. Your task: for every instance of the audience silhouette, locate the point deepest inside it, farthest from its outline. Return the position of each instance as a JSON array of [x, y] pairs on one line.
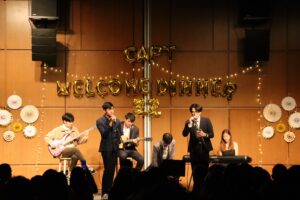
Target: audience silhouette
[[235, 181]]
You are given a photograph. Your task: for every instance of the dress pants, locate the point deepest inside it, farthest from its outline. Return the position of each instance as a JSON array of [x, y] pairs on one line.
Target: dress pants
[[110, 162]]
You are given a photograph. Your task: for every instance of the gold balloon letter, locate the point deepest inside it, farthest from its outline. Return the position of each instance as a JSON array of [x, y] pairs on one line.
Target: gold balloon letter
[[185, 87], [63, 90], [216, 88], [145, 85], [139, 106], [162, 87], [154, 52], [172, 88], [114, 86], [142, 55], [154, 103], [99, 88], [88, 88], [77, 88], [131, 86], [229, 89], [130, 53], [201, 87]]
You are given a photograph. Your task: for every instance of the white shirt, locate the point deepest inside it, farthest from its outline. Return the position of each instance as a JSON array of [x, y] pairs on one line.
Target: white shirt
[[126, 131], [165, 152]]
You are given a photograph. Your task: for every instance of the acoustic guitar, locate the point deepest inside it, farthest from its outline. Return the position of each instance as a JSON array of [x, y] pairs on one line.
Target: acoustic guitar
[[57, 146], [125, 140]]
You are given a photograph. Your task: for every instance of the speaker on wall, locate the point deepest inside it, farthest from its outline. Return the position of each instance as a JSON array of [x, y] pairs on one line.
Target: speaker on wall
[[44, 28], [253, 12], [44, 45], [45, 8], [257, 45]]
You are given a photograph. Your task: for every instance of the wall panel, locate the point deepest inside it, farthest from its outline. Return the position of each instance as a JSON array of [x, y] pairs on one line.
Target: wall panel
[[18, 31], [2, 24]]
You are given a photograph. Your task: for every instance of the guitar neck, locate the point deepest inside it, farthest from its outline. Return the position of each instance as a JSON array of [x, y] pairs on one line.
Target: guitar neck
[[79, 135], [138, 139]]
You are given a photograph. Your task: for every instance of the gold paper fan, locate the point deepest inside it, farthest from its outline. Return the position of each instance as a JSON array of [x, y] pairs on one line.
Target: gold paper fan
[[17, 127], [280, 127]]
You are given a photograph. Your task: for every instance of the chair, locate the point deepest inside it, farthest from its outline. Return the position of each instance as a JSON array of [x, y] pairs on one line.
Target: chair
[[65, 163]]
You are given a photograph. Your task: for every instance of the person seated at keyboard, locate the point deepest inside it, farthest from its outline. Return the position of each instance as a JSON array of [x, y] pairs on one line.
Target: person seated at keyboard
[[227, 146]]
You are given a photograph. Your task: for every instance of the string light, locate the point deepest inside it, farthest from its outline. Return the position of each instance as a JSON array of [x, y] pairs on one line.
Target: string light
[[259, 114]]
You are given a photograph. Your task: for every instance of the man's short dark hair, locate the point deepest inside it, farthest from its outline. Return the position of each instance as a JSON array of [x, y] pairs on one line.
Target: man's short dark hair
[[107, 105], [69, 117], [130, 116], [167, 138], [197, 107]]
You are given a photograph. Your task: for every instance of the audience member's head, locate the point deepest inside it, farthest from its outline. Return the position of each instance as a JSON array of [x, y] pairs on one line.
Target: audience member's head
[[5, 172]]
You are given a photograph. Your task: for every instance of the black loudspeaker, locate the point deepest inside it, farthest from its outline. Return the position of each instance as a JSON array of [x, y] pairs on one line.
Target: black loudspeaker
[[253, 12], [45, 8], [257, 45], [44, 45]]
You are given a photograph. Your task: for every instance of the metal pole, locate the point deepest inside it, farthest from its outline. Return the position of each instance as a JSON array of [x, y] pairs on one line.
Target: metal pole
[[147, 75]]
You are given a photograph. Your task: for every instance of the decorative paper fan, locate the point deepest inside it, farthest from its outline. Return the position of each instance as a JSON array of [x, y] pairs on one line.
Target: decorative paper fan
[[5, 117], [288, 103], [272, 112], [289, 136], [294, 120], [280, 127], [14, 101], [268, 132], [29, 114], [17, 127], [29, 131], [8, 136]]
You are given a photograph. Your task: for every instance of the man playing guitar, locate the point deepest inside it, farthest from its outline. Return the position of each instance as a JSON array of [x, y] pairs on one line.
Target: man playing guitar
[[129, 141], [56, 137]]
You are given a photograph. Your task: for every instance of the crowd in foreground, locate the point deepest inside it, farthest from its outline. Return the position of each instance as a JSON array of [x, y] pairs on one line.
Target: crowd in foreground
[[234, 181]]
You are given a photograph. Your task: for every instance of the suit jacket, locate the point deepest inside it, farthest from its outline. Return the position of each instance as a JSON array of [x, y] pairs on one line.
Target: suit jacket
[[134, 133], [157, 156], [110, 136], [206, 126]]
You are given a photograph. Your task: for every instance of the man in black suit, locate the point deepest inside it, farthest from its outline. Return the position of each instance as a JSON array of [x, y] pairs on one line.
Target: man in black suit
[[200, 130], [110, 129], [129, 141]]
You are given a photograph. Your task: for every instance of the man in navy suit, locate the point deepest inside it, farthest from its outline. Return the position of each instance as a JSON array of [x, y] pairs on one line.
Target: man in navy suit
[[200, 130], [129, 141], [110, 129]]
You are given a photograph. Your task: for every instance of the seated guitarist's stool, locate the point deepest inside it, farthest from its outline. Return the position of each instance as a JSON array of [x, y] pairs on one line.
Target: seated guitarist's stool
[[64, 162]]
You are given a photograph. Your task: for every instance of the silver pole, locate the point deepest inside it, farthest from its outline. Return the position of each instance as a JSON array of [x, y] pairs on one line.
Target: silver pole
[[147, 75]]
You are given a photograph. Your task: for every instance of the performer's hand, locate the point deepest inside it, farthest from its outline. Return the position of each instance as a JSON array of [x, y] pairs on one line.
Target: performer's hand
[[135, 141], [113, 118], [201, 133], [53, 144], [191, 120]]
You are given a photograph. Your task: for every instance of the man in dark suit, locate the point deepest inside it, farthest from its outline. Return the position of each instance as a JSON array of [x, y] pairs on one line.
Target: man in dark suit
[[200, 130], [110, 129], [129, 141]]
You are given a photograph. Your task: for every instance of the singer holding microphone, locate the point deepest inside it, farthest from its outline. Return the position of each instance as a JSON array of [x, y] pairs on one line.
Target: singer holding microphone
[[110, 129], [200, 130]]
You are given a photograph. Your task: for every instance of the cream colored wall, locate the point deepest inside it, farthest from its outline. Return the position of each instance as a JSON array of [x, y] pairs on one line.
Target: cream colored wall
[[206, 37]]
